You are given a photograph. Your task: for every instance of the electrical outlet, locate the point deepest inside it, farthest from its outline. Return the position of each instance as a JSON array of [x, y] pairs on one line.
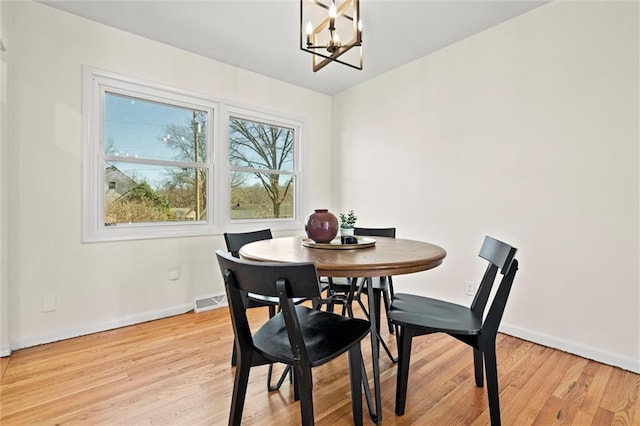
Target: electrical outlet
[[470, 288]]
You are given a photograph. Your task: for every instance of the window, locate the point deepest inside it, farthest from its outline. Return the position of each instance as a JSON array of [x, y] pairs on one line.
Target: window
[[262, 169], [150, 168], [159, 150]]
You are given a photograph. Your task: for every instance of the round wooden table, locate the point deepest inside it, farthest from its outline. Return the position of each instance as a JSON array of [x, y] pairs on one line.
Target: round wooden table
[[388, 257]]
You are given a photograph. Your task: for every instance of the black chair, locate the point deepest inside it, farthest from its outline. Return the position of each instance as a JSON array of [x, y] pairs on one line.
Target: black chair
[[416, 316], [345, 291], [298, 336], [234, 242]]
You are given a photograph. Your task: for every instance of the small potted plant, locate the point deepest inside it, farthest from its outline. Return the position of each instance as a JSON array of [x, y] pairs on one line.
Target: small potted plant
[[347, 222]]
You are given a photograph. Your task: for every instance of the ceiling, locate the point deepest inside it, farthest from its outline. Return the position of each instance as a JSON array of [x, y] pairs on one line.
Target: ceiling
[[263, 35]]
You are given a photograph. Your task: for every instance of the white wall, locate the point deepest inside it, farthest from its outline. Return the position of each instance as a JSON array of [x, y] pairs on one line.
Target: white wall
[[527, 132], [102, 285], [5, 347]]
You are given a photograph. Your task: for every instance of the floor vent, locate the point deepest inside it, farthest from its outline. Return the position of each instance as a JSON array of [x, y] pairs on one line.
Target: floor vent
[[208, 303]]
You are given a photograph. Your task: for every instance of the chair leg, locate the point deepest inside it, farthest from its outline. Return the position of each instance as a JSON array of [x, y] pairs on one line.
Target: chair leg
[[386, 310], [296, 387], [304, 382], [240, 383], [345, 310], [377, 295], [477, 367], [330, 295], [330, 306], [351, 296], [355, 376], [386, 298], [492, 385], [272, 313], [277, 386], [234, 356], [349, 309], [404, 355], [358, 296]]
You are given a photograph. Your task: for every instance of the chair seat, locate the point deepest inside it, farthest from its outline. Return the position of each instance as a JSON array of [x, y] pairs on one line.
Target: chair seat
[[440, 316], [324, 333]]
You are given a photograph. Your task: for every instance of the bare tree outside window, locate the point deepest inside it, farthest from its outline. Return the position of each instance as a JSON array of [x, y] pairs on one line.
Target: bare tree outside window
[[261, 159]]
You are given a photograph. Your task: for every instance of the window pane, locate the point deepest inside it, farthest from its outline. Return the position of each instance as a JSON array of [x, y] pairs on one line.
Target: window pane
[[139, 193], [260, 146], [137, 128], [261, 196]]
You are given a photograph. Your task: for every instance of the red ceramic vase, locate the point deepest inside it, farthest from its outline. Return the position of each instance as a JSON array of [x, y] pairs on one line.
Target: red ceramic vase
[[321, 226]]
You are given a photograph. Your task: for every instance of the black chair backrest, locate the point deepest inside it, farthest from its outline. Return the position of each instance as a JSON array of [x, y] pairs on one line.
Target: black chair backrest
[[267, 279], [235, 241], [375, 232], [501, 258], [260, 277], [497, 252]]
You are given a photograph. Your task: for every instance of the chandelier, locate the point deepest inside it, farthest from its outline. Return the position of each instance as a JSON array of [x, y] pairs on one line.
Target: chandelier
[[330, 32]]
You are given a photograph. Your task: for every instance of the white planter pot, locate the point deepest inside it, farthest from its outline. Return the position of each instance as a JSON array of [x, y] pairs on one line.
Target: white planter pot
[[346, 231]]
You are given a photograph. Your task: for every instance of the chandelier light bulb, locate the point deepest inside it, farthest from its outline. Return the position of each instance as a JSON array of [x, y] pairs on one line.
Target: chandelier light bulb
[[332, 16], [309, 31]]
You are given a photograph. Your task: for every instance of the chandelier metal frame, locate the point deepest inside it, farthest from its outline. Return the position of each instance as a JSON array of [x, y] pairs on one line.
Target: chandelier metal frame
[[322, 38]]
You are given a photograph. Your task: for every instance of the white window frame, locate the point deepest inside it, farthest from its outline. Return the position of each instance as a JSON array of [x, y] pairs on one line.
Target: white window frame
[[95, 82], [299, 165]]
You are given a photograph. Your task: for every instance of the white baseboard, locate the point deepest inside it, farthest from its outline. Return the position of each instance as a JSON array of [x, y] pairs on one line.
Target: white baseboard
[[588, 352], [95, 328], [5, 351]]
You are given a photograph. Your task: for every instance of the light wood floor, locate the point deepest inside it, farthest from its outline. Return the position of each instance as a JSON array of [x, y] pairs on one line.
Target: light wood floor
[[176, 371]]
